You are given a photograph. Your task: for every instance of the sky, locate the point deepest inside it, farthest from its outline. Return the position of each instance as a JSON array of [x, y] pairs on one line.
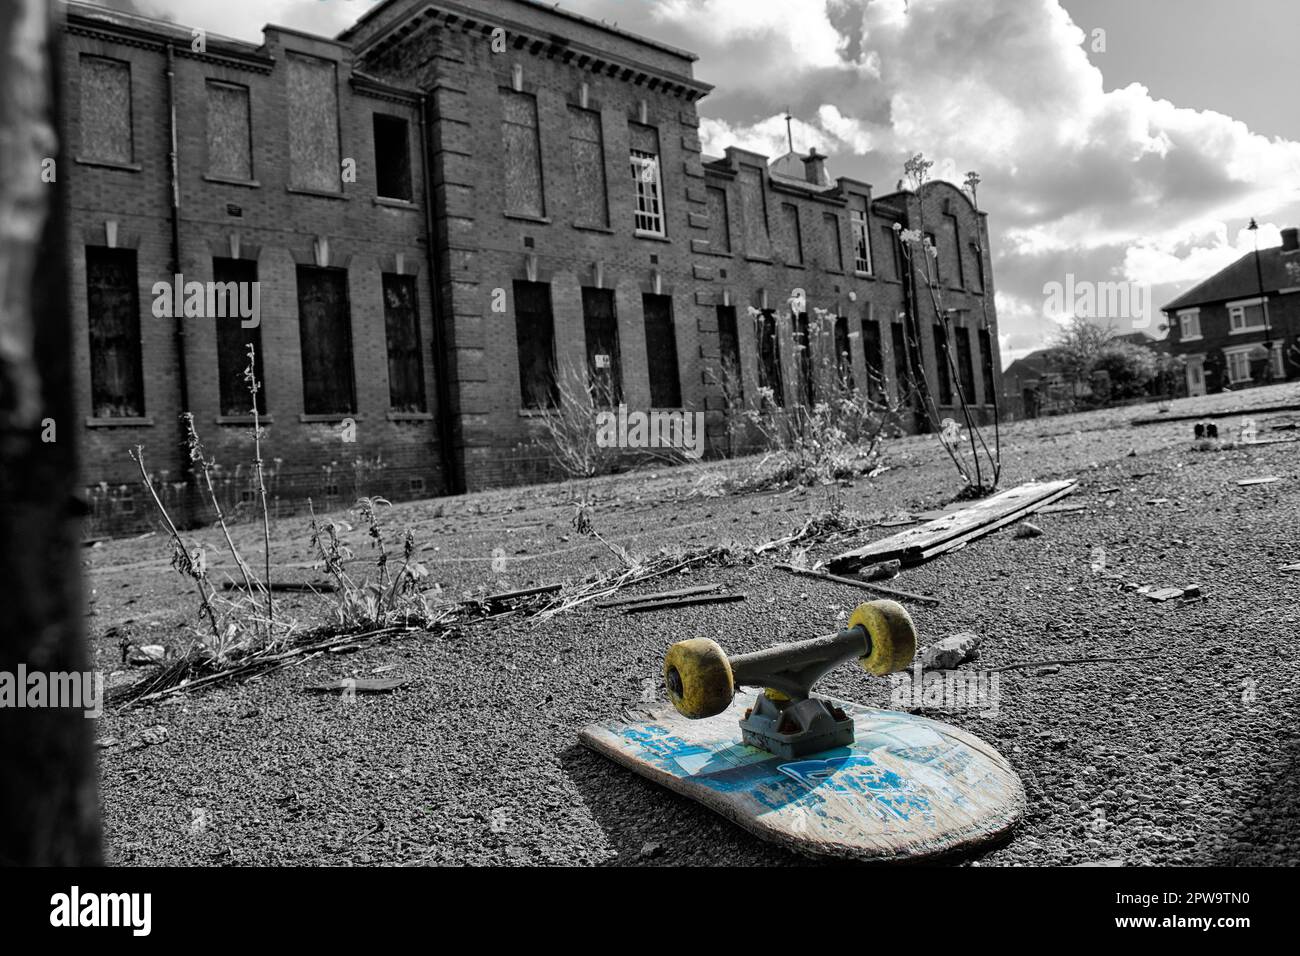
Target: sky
[[1115, 140]]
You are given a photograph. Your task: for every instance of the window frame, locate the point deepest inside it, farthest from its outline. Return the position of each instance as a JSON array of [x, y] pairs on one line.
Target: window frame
[[83, 154], [639, 158], [1189, 319], [1238, 309]]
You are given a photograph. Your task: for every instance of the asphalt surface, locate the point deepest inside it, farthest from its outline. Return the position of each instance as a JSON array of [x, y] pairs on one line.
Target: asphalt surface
[[1187, 758]]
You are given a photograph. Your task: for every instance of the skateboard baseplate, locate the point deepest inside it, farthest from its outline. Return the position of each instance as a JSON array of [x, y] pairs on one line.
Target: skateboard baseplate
[[906, 788]]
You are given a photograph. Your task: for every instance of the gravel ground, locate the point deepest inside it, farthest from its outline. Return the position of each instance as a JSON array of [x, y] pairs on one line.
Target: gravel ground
[[1189, 758]]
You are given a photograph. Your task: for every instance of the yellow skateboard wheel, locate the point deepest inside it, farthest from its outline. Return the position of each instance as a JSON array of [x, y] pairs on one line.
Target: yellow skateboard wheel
[[698, 677], [892, 635]]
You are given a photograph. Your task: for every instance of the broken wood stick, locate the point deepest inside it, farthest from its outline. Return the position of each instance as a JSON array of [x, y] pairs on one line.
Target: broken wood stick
[[683, 602], [865, 585], [662, 595], [306, 586], [526, 592]]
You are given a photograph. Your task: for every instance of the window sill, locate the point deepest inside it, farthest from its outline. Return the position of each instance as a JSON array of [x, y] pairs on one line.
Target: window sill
[[1247, 330], [329, 418], [1189, 338], [860, 274], [763, 259], [652, 236], [242, 420], [605, 230], [410, 416], [318, 193], [388, 201], [524, 217], [229, 181], [123, 422], [110, 164]]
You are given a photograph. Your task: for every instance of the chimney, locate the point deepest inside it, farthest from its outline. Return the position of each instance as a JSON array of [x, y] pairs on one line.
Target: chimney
[[814, 167], [1290, 238]]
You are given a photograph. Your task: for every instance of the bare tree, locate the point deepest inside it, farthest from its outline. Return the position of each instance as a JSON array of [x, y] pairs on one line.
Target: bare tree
[[49, 813]]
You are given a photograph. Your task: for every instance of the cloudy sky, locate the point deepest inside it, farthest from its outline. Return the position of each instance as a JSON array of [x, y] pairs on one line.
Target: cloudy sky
[[1116, 140]]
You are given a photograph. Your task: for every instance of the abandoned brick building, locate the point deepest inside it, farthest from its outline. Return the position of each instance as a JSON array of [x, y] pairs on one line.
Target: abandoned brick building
[[446, 211]]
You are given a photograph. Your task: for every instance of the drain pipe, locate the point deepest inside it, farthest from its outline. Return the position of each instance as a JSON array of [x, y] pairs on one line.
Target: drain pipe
[[452, 475], [173, 176]]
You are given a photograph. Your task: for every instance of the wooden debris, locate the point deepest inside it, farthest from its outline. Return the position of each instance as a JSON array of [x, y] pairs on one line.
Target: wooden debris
[[526, 592], [1266, 480], [1028, 530], [882, 571], [1289, 567], [1060, 509], [946, 533], [662, 595], [866, 586], [683, 602], [296, 586]]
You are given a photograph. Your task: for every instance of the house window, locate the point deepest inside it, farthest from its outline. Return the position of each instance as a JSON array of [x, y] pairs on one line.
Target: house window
[[392, 157], [843, 352], [587, 144], [113, 301], [647, 177], [872, 356], [769, 358], [106, 110], [803, 353], [934, 244], [535, 339], [313, 124], [941, 360], [604, 365], [835, 251], [661, 351], [402, 334], [325, 337], [793, 235], [986, 365], [902, 370], [729, 354], [233, 340], [753, 211], [966, 364], [1189, 325], [522, 154], [1246, 316], [861, 238], [719, 220], [1238, 365], [230, 153]]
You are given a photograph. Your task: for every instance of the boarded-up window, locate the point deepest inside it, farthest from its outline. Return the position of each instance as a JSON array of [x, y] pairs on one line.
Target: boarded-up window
[[230, 151], [647, 179], [392, 157], [233, 340], [986, 364], [941, 360], [940, 266], [769, 358], [976, 272], [950, 250], [753, 209], [729, 352], [523, 155], [106, 110], [902, 369], [113, 300], [843, 351], [719, 220], [587, 144], [661, 352], [834, 249], [402, 332], [965, 364], [793, 234], [872, 357], [325, 337], [888, 264], [535, 339], [313, 125], [803, 351], [604, 366]]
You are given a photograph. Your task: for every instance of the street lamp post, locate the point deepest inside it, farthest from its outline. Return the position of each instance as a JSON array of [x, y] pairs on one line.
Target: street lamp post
[[1263, 301]]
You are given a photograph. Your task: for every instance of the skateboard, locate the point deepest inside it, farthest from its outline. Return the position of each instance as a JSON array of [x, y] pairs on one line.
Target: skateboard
[[818, 775]]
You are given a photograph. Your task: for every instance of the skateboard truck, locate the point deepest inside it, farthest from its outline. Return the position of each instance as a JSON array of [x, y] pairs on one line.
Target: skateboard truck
[[786, 719]]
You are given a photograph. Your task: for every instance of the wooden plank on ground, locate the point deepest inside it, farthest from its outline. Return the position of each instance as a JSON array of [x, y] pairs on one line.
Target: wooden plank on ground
[[683, 602], [947, 532], [864, 585], [662, 595]]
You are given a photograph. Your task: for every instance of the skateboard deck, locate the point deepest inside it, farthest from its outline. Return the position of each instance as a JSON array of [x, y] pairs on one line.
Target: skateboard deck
[[907, 788]]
